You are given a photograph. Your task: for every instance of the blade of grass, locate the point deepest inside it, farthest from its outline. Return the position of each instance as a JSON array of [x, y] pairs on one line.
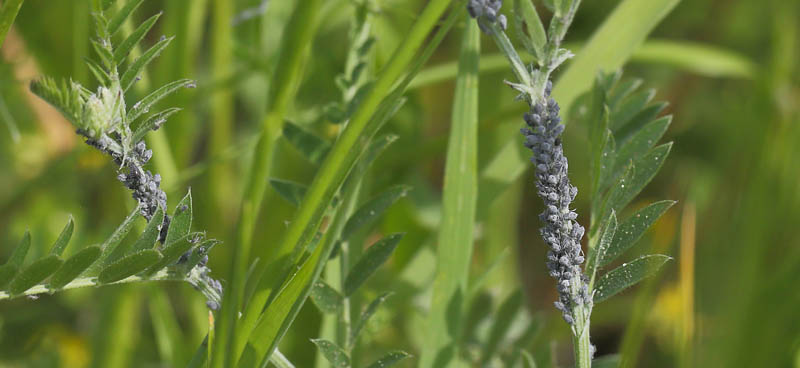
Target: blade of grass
[[299, 33], [222, 102], [7, 15], [169, 336], [342, 156], [458, 213]]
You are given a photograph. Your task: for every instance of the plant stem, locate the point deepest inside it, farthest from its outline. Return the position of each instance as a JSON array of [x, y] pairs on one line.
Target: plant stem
[[83, 282]]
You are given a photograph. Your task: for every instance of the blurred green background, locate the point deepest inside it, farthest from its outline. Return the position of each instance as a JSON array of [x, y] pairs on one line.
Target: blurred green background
[[730, 299]]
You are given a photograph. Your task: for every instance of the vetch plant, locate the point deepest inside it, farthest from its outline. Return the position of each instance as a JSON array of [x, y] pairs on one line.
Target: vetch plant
[[166, 249], [577, 287]]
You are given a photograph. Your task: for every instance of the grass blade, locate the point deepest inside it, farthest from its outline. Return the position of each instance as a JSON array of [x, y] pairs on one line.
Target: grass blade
[[454, 251]]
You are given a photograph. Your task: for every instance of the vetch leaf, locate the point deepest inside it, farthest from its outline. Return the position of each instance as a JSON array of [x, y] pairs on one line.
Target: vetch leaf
[[153, 122], [618, 92], [198, 253], [627, 275], [598, 254], [632, 229], [35, 273], [644, 117], [119, 17], [125, 47], [607, 361], [289, 190], [390, 359], [333, 353], [369, 262], [145, 104], [636, 178], [150, 235], [326, 298], [99, 72], [136, 68], [640, 142], [629, 108], [181, 221], [524, 10], [74, 266], [128, 266], [366, 315], [18, 256], [373, 209], [113, 242], [103, 53], [7, 273], [311, 146]]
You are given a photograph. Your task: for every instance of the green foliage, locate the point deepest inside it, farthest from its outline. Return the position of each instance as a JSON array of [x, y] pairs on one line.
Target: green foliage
[[373, 258], [627, 275]]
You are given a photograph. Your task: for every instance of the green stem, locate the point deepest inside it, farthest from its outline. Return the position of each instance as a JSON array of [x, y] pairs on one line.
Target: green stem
[[222, 102], [7, 15], [83, 282]]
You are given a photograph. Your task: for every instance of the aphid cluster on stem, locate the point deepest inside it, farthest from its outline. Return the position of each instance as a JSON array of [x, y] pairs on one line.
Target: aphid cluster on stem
[[561, 231], [489, 10]]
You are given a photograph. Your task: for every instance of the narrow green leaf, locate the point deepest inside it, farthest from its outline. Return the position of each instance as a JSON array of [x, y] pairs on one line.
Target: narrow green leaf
[[636, 178], [103, 53], [99, 72], [644, 117], [74, 266], [702, 59], [181, 221], [119, 234], [7, 273], [105, 4], [627, 275], [368, 312], [528, 359], [145, 104], [459, 201], [632, 229], [369, 262], [607, 361], [619, 92], [333, 353], [390, 359], [136, 68], [125, 47], [311, 146], [18, 256], [172, 252], [169, 338], [373, 209], [289, 190], [326, 298], [34, 273], [598, 254], [153, 122], [8, 13], [629, 108], [119, 18], [503, 318], [641, 142], [128, 266], [525, 11], [150, 234]]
